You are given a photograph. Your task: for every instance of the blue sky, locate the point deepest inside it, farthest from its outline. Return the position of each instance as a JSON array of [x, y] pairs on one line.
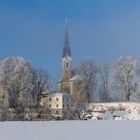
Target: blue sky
[[98, 29]]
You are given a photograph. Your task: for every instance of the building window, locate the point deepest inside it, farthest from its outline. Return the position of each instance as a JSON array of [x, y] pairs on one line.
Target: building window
[[67, 105], [67, 65], [50, 105], [63, 105], [57, 105], [50, 99], [3, 96], [67, 99], [57, 112], [57, 99]]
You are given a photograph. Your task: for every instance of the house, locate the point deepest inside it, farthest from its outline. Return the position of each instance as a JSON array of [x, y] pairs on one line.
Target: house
[[57, 103]]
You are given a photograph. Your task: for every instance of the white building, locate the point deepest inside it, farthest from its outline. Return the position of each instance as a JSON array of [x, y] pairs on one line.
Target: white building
[[57, 103]]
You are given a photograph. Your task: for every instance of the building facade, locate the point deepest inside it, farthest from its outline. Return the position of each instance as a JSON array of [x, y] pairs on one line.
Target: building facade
[[57, 103]]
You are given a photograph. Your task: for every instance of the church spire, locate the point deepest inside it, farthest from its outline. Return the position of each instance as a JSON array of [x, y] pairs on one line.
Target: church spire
[[66, 49], [66, 20]]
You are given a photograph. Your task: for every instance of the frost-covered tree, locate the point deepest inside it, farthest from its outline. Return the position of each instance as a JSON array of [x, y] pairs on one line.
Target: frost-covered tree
[[18, 77], [41, 82], [88, 70], [137, 94], [15, 76], [103, 82], [124, 78]]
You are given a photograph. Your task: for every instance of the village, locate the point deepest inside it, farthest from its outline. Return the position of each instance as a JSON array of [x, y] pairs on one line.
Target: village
[[69, 70], [73, 99]]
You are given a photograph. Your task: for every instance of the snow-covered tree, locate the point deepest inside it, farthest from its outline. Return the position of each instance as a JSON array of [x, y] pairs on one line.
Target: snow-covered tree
[[88, 70], [124, 78], [41, 81], [18, 77], [136, 97], [103, 82]]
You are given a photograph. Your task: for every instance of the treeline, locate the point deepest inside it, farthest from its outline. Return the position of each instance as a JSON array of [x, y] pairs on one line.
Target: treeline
[[119, 81], [21, 86], [22, 83]]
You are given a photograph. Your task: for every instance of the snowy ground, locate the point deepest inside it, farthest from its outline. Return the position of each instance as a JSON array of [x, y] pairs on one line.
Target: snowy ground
[[107, 111], [128, 106], [70, 130]]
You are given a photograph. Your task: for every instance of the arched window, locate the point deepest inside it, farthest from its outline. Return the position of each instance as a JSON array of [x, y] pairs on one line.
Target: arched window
[[67, 65]]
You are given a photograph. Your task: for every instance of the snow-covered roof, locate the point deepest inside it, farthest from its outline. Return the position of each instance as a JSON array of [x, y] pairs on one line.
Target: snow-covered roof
[[76, 77], [46, 92], [59, 94], [59, 81]]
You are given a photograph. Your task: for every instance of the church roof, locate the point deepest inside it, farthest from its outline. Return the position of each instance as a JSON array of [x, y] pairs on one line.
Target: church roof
[[59, 94], [76, 77], [66, 49]]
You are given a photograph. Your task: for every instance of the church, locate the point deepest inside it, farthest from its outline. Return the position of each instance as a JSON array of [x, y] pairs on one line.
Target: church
[[69, 83], [67, 88]]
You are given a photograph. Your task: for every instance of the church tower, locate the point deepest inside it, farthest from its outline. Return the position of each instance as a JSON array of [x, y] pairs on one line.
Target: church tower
[[66, 59], [64, 84], [69, 83]]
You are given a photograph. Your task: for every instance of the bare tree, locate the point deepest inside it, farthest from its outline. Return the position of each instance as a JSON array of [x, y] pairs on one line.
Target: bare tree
[[20, 111], [78, 112]]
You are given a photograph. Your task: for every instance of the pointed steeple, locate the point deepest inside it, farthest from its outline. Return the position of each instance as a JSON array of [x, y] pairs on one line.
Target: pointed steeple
[[66, 49]]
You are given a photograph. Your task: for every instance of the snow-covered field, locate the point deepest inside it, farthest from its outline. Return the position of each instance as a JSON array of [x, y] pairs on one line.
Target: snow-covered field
[[123, 111], [128, 106], [70, 130]]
